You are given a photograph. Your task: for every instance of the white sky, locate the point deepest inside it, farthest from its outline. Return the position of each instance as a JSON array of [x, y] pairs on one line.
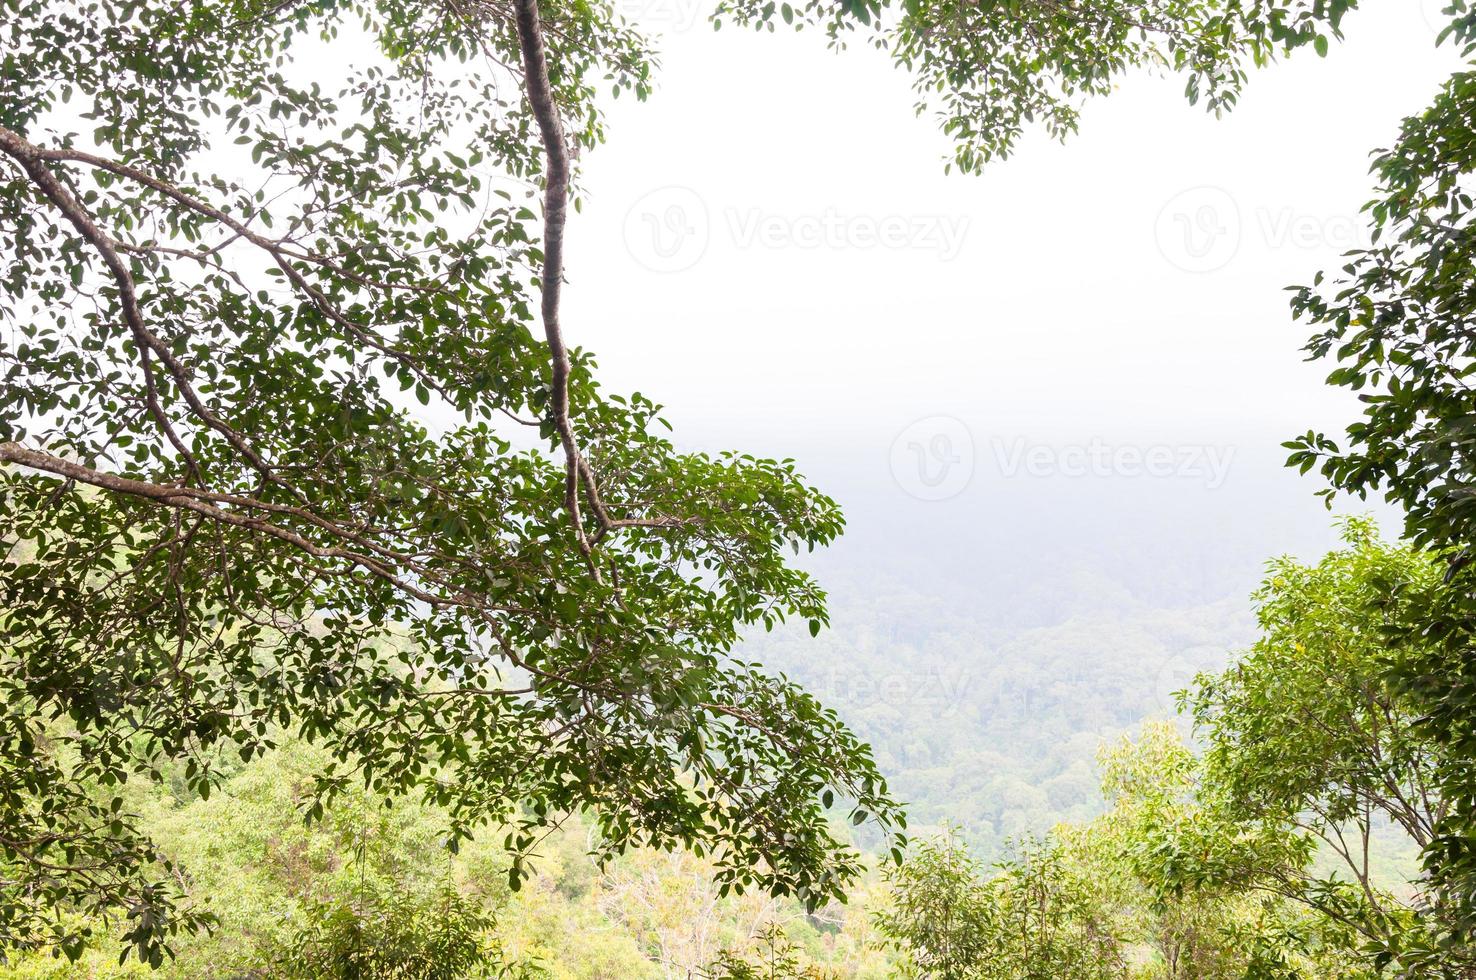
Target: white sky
[[1059, 309]]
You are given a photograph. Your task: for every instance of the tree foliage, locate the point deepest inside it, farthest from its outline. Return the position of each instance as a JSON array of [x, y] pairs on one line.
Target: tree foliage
[[1037, 916], [1204, 882], [1160, 887], [776, 958], [1314, 733], [226, 287], [371, 886], [1395, 319], [396, 936], [990, 70]]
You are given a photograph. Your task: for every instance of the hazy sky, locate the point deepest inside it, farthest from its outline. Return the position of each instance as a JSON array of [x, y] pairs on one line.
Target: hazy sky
[[1099, 329], [1058, 290]]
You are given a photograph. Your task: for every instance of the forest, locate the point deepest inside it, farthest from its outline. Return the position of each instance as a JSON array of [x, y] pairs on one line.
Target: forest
[[354, 625]]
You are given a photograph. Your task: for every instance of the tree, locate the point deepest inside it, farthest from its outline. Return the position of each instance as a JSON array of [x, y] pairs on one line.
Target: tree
[[225, 523], [1166, 885], [986, 70], [1202, 882], [441, 936], [226, 288], [936, 912], [1150, 785], [1396, 320], [1395, 317], [1307, 731], [1037, 918], [776, 958]]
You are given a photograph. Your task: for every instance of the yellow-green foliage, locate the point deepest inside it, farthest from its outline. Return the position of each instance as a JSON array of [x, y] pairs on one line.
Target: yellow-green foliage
[[263, 872]]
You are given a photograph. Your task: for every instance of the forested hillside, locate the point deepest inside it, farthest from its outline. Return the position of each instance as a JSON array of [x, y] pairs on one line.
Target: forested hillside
[[992, 728]]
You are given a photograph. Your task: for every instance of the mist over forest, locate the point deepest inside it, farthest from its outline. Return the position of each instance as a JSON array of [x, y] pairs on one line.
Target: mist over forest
[[988, 644]]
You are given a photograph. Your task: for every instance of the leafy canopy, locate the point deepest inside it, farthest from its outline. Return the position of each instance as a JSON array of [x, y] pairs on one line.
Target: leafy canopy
[[1311, 735], [990, 69], [1395, 321], [228, 521], [1159, 886]]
